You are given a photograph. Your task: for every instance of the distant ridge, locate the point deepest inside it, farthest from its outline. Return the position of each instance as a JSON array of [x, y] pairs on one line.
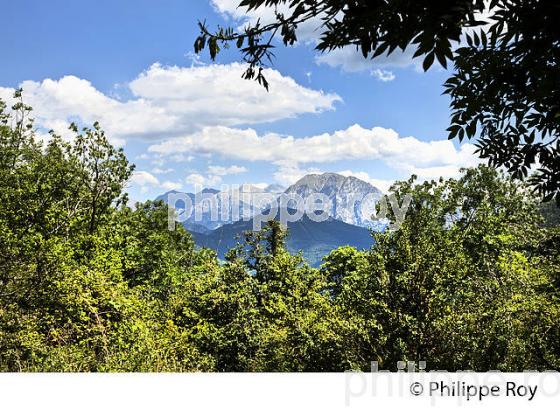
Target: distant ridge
[[209, 221], [314, 239], [352, 200]]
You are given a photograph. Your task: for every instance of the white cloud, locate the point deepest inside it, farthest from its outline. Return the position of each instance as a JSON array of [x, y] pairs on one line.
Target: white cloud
[[195, 179], [182, 158], [169, 101], [145, 181], [143, 178], [198, 180], [351, 60], [383, 75], [214, 175], [354, 142], [404, 154], [217, 94], [289, 172], [158, 161], [171, 186], [222, 171], [160, 171]]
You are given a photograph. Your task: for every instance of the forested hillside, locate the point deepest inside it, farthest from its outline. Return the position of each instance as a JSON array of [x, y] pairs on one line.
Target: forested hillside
[[313, 239], [469, 281]]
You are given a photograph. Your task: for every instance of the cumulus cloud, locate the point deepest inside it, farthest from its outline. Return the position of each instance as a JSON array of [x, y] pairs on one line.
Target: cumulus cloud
[[143, 178], [171, 186], [168, 101], [160, 171], [145, 181], [195, 179], [222, 171], [213, 175], [182, 158], [354, 142], [289, 172], [405, 154], [199, 180]]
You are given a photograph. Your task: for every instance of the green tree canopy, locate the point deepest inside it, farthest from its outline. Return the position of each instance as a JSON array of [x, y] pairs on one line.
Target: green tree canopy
[[469, 281]]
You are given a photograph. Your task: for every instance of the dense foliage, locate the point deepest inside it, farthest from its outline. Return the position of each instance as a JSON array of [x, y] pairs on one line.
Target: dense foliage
[[469, 281], [505, 86]]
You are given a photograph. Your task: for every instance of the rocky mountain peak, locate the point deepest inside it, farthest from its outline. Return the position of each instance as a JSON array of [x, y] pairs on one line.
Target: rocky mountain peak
[[353, 200]]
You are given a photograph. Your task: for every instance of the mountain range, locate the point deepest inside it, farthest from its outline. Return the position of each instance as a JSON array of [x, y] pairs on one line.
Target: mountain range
[[211, 208], [313, 239], [221, 217]]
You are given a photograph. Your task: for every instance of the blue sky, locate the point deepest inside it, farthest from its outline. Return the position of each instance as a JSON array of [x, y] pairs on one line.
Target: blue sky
[[187, 121]]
